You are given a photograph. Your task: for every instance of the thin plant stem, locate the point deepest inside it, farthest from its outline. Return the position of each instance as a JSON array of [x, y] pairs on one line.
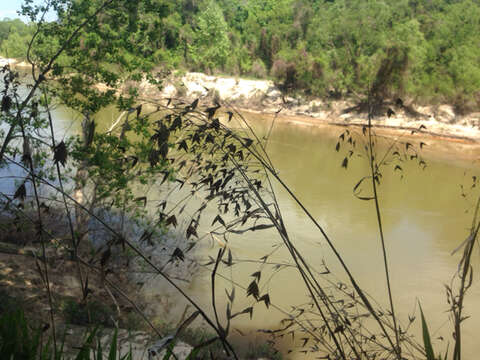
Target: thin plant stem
[[374, 175], [466, 260], [28, 157], [67, 209]]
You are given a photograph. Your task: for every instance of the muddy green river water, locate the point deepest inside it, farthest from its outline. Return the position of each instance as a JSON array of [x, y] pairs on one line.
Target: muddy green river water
[[425, 219]]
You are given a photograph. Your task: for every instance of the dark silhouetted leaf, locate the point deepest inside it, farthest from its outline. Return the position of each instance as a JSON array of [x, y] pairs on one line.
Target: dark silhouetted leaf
[[172, 220], [219, 219], [211, 111], [337, 147], [163, 150], [21, 192], [177, 124], [196, 138], [193, 105], [232, 148], [178, 254], [229, 261], [266, 299], [345, 163], [191, 231], [305, 341], [6, 103], [146, 236], [231, 296], [89, 130], [261, 227], [253, 290], [257, 275], [60, 153], [248, 142], [359, 183], [366, 198], [105, 256], [142, 199], [210, 261], [190, 246], [339, 328], [210, 138], [153, 157], [248, 310], [183, 145]]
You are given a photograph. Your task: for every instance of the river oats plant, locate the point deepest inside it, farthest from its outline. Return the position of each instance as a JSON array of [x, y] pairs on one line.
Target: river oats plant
[[189, 154]]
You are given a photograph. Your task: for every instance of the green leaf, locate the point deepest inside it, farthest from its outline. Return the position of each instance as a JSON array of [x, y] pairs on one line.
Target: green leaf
[[113, 346], [193, 354], [169, 351], [427, 343], [99, 351], [84, 353]]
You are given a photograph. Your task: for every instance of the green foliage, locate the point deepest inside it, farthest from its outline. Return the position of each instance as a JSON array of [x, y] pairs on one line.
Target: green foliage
[[93, 312], [211, 46], [14, 38], [21, 340], [326, 47], [17, 341]]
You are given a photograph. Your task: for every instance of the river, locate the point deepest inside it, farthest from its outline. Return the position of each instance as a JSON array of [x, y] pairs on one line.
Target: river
[[424, 214], [425, 218]]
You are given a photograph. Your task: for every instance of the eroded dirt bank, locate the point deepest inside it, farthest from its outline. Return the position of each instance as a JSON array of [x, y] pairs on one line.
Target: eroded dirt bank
[[262, 96]]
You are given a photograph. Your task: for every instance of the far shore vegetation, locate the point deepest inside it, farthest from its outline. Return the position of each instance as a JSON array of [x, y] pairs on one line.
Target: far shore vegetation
[[423, 50]]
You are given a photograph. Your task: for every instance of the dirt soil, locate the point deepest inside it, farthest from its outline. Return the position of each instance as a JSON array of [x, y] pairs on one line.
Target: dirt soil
[[22, 284]]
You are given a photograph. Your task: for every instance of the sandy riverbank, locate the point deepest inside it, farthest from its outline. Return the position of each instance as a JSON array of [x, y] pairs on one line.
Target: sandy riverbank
[[262, 96], [13, 62]]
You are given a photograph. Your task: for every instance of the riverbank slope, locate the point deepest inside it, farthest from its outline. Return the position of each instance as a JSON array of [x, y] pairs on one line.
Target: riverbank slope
[[263, 96]]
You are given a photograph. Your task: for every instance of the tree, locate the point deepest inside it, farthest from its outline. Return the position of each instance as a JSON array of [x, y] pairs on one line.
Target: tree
[[211, 45], [14, 38], [95, 43]]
